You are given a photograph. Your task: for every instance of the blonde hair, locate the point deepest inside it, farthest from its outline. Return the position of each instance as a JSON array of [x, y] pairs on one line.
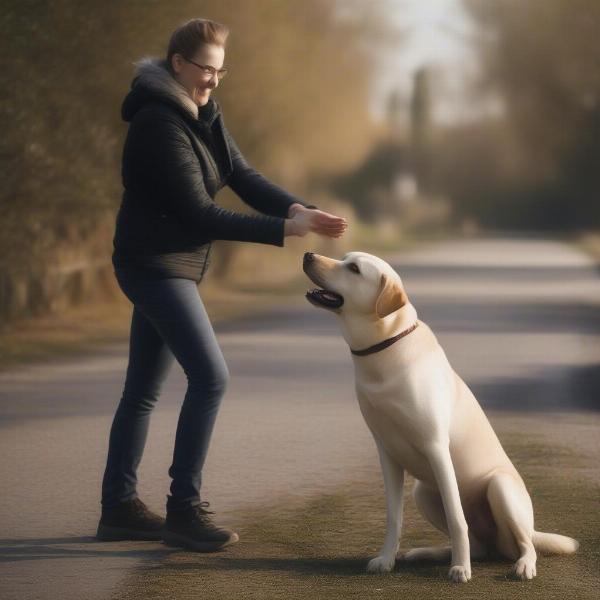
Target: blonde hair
[[187, 38]]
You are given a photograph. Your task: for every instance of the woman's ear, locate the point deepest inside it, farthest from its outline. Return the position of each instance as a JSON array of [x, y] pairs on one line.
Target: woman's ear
[[391, 297], [176, 63]]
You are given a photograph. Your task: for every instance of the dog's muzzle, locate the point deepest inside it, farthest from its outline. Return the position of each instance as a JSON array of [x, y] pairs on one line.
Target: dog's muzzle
[[318, 296]]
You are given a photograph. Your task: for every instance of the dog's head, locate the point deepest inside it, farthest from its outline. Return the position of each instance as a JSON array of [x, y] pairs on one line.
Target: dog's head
[[360, 284]]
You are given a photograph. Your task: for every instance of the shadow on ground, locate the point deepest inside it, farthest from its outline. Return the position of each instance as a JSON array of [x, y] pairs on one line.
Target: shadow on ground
[[15, 550], [577, 389]]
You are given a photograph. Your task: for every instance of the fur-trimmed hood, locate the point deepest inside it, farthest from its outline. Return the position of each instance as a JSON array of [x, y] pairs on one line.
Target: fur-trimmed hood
[[152, 81]]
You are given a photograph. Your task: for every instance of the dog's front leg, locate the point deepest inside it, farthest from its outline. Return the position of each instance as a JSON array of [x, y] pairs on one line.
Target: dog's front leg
[[393, 480], [443, 470]]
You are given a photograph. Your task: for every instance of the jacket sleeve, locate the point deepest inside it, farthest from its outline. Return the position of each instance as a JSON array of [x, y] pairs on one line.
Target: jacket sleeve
[[255, 189], [167, 161]]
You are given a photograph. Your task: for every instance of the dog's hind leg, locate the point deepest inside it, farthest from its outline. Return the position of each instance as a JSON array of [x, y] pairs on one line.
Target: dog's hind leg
[[429, 503], [513, 514], [443, 554], [393, 480]]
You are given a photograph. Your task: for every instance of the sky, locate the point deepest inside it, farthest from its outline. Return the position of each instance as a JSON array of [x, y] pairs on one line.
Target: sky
[[439, 34]]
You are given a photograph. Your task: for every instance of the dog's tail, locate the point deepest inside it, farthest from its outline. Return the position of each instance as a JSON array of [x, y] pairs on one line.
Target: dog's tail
[[553, 543]]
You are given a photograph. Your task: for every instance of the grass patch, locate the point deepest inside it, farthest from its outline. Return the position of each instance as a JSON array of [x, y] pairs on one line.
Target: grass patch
[[76, 331], [320, 549]]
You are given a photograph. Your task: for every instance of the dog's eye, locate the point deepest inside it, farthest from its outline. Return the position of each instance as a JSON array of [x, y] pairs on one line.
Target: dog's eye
[[354, 267]]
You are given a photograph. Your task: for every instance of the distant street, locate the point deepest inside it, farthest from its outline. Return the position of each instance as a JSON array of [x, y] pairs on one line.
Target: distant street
[[519, 320]]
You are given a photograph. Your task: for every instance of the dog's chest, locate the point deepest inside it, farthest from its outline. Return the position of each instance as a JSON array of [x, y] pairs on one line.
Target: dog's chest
[[406, 407], [415, 391]]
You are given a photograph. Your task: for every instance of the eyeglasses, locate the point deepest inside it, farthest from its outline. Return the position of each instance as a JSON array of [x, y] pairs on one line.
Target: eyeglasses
[[208, 71]]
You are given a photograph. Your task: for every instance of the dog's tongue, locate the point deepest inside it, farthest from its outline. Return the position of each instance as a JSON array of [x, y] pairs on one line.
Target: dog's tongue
[[325, 298], [330, 295]]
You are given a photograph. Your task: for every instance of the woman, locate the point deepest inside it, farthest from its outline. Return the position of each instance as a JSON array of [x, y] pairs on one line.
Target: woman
[[176, 157]]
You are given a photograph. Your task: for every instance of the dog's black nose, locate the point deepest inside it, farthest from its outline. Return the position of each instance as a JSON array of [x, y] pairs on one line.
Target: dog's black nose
[[308, 257]]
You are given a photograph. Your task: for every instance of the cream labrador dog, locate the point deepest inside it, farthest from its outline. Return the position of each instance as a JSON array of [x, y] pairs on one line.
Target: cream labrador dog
[[425, 420]]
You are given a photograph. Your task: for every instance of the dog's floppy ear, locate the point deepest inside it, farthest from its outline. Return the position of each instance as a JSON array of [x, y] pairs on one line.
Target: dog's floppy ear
[[391, 297]]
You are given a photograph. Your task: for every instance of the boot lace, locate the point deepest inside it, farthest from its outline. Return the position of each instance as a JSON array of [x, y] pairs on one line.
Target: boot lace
[[202, 512]]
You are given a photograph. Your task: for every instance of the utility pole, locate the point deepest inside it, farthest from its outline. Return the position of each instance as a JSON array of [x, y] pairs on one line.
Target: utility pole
[[421, 128]]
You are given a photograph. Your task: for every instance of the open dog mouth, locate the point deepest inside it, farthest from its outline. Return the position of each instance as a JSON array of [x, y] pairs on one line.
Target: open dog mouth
[[324, 298], [319, 296]]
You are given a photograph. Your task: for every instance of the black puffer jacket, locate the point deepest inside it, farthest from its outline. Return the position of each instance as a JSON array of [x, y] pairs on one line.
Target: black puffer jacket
[[176, 158]]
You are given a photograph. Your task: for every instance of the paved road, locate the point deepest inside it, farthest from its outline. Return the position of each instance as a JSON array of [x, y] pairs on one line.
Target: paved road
[[519, 319]]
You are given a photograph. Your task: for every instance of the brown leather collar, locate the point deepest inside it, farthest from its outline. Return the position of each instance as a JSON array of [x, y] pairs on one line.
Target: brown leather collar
[[383, 345]]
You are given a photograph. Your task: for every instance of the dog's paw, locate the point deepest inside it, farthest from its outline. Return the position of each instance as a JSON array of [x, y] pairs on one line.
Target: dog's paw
[[435, 553], [459, 574], [410, 555], [415, 555], [524, 569], [381, 564]]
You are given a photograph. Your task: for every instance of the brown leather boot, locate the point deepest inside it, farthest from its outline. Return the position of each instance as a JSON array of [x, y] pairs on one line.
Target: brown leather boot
[[194, 529], [130, 520]]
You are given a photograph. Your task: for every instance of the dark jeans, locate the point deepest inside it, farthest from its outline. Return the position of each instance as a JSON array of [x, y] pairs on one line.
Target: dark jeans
[[169, 321]]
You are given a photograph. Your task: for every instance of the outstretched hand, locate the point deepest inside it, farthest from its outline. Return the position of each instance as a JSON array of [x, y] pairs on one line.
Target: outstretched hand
[[305, 220]]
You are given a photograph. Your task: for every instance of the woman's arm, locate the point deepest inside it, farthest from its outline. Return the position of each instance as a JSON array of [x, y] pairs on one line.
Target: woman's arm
[[163, 158], [255, 189]]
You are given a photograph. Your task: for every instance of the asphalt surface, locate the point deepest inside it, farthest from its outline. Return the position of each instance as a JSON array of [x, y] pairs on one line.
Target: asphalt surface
[[519, 320]]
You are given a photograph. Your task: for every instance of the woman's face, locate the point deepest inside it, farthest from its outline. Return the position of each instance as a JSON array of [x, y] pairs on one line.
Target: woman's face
[[199, 81]]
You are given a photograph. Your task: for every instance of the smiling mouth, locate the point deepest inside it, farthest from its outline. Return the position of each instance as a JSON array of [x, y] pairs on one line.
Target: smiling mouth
[[324, 298]]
